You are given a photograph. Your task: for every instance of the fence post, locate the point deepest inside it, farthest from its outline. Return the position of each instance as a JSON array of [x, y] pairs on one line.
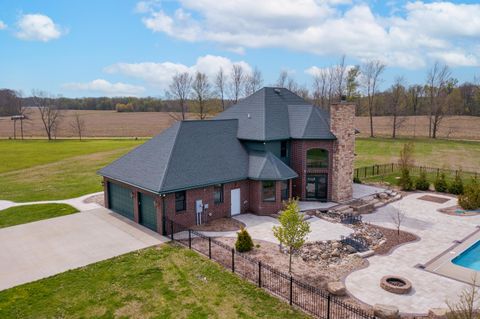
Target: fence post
[[233, 260], [259, 274], [365, 169], [171, 229], [328, 306], [373, 170], [291, 290], [190, 239], [392, 167], [210, 247]]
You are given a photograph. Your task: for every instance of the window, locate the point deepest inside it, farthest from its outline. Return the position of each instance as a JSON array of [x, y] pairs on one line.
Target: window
[[180, 201], [283, 149], [285, 193], [218, 193], [268, 191], [317, 158]]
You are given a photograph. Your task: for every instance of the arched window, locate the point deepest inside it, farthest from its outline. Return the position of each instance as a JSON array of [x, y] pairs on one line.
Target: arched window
[[317, 158]]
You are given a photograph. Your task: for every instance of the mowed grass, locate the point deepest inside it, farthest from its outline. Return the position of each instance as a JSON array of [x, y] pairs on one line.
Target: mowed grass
[[160, 282], [42, 170], [434, 153], [29, 213]]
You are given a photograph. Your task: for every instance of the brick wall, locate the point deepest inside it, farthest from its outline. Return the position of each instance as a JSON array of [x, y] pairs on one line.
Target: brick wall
[[342, 117], [299, 165], [258, 206]]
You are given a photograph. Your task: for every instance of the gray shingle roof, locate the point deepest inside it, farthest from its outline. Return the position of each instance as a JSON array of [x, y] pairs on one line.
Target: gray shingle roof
[[277, 113], [266, 166], [187, 155]]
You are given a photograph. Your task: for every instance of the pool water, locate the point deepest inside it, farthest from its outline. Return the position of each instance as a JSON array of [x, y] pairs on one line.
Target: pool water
[[469, 258]]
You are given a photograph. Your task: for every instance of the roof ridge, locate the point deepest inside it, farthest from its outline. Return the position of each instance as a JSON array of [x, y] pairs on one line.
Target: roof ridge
[[274, 159], [308, 120], [170, 156]]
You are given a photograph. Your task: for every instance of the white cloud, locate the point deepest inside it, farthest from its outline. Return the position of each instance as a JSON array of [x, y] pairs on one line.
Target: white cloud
[[2, 25], [37, 27], [160, 74], [405, 37], [106, 87]]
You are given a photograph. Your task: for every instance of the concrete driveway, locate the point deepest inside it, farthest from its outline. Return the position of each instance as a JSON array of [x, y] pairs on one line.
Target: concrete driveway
[[44, 248]]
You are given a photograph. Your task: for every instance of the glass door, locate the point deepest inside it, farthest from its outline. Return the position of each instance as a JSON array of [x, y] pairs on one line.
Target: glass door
[[317, 187]]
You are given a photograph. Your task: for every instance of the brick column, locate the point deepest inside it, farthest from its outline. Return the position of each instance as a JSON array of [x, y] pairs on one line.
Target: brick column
[[342, 125]]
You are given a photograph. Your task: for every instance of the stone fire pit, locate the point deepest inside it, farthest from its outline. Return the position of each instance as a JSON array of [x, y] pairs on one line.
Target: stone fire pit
[[396, 284]]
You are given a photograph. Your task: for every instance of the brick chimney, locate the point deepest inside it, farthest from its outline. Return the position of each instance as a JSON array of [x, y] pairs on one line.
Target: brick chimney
[[342, 125]]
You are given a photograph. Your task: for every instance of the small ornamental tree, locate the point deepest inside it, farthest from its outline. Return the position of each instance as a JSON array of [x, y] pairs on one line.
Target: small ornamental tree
[[470, 199], [244, 242], [405, 161], [441, 183], [422, 184], [293, 230], [456, 187]]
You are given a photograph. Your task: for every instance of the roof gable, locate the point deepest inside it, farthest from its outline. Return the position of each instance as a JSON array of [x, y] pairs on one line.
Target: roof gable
[[266, 166]]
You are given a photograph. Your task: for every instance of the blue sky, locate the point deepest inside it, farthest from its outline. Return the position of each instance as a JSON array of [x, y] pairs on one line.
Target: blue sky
[[107, 47]]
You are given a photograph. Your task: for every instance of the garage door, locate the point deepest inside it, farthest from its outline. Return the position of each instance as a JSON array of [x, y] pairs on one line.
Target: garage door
[[120, 200], [148, 214]]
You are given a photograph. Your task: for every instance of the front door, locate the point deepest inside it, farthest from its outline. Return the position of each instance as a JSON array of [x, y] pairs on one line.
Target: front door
[[235, 201], [316, 187], [198, 211]]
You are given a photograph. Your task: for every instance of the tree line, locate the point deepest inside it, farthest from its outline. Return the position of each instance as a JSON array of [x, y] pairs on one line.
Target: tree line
[[440, 94]]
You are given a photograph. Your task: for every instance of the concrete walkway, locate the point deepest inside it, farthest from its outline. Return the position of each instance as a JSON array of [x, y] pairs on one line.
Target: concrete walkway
[[260, 228], [437, 232], [78, 203], [44, 248]]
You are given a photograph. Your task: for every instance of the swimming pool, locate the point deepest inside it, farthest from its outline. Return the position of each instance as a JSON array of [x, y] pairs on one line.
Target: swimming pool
[[469, 258]]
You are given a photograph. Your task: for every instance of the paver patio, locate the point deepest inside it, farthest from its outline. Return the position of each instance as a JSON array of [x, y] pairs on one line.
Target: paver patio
[[437, 232]]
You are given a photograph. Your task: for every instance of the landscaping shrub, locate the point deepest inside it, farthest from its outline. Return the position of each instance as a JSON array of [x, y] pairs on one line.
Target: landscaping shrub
[[422, 183], [244, 241], [405, 182], [456, 187], [357, 180], [441, 183], [470, 199]]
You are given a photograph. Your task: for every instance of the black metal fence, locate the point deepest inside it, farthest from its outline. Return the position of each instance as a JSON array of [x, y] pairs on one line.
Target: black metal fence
[[386, 169], [308, 298]]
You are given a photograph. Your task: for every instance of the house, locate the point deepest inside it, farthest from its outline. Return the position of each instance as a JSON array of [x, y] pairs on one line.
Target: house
[[269, 147]]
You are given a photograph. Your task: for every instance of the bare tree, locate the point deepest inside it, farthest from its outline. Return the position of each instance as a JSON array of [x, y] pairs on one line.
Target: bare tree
[[438, 78], [397, 218], [78, 125], [415, 93], [321, 88], [371, 72], [468, 305], [338, 76], [253, 82], [50, 114], [180, 89], [397, 104], [237, 81], [201, 93], [282, 79], [220, 84]]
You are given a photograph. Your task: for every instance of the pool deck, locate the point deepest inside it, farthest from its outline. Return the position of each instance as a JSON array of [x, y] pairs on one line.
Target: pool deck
[[443, 265], [437, 232]]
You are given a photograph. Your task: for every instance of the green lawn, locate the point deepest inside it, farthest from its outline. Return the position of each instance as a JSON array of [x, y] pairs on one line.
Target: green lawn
[[435, 153], [40, 170], [29, 213], [162, 282]]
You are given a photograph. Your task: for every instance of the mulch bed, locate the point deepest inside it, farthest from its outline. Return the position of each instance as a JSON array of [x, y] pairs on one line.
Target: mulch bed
[[220, 224], [393, 239], [458, 211], [434, 199]]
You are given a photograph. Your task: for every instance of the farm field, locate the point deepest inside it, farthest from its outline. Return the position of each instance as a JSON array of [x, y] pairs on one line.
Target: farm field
[[147, 124], [161, 282]]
